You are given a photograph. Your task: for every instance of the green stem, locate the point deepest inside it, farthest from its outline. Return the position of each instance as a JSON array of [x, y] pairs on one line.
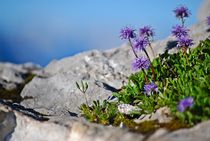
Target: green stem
[[132, 48], [153, 53], [86, 98], [186, 56], [147, 55], [153, 69], [145, 76], [182, 19], [150, 45]]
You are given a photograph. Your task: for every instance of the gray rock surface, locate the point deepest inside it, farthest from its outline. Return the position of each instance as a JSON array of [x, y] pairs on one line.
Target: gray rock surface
[[58, 94], [58, 88], [197, 133], [127, 109], [11, 74], [17, 126], [24, 128], [162, 115], [7, 124]]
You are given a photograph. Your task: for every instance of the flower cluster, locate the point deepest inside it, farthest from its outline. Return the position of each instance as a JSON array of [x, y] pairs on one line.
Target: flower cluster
[[185, 103], [146, 31], [184, 41], [127, 33], [182, 12], [180, 31], [140, 43], [150, 88], [140, 63]]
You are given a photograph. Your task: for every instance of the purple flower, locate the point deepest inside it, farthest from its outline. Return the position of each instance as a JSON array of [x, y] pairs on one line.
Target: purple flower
[[179, 31], [182, 12], [140, 63], [184, 42], [150, 88], [185, 103], [208, 20], [140, 43], [146, 31], [127, 33]]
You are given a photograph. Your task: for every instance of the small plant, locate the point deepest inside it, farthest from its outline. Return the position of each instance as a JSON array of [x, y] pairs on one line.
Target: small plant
[[83, 86], [179, 81], [103, 113]]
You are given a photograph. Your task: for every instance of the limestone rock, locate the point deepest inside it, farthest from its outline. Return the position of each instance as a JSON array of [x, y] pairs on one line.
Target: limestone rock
[[127, 109], [162, 115], [17, 126], [58, 94], [24, 128], [7, 123], [198, 133], [11, 74]]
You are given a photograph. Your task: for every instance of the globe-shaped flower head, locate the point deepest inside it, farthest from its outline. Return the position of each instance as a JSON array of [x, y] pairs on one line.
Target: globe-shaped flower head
[[146, 31], [150, 88], [140, 63], [182, 12], [140, 43], [184, 42], [127, 33], [185, 103], [179, 31]]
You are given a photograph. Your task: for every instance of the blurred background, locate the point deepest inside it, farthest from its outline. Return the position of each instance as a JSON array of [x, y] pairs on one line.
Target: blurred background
[[39, 31]]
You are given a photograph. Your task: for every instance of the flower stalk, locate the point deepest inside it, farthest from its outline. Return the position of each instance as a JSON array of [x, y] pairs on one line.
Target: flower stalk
[[153, 52], [180, 32], [131, 45], [153, 69]]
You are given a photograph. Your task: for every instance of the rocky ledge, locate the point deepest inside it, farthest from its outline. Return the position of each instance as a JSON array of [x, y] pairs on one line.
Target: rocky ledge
[[19, 126]]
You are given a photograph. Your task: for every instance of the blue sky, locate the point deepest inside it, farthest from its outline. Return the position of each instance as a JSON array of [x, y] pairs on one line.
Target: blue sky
[[42, 30]]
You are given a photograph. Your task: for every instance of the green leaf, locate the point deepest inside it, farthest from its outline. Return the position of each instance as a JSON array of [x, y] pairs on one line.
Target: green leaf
[[86, 86], [78, 87]]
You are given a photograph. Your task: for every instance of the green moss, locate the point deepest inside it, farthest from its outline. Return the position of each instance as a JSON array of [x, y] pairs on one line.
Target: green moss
[[148, 127], [111, 116], [14, 94]]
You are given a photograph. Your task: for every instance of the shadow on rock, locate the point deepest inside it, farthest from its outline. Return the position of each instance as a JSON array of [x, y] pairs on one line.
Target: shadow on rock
[[14, 94], [171, 44], [26, 111], [106, 86]]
